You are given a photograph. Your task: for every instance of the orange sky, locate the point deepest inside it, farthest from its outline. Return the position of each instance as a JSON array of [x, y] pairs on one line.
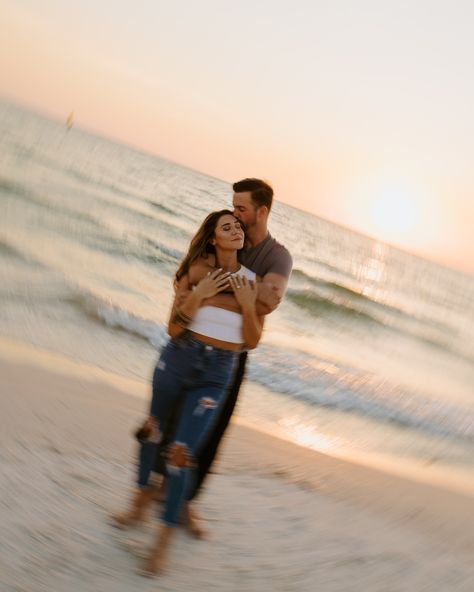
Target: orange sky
[[361, 115]]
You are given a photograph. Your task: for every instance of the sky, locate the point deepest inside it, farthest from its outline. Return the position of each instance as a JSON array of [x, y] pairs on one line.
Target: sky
[[359, 111]]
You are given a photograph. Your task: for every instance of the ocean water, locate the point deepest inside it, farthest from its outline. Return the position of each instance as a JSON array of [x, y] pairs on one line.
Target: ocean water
[[370, 356]]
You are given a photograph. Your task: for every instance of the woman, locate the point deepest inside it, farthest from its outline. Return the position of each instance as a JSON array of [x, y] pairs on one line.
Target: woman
[[196, 365]]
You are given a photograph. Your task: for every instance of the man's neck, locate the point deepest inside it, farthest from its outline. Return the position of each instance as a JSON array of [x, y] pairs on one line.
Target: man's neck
[[255, 236]]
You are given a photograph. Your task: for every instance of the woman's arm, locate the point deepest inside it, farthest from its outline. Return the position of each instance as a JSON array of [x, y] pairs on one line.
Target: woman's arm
[[245, 291], [186, 301]]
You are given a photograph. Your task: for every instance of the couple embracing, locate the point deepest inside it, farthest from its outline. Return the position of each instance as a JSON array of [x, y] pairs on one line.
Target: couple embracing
[[233, 274]]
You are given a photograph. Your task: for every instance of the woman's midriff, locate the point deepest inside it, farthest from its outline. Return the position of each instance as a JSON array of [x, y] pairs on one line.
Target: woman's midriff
[[217, 342]]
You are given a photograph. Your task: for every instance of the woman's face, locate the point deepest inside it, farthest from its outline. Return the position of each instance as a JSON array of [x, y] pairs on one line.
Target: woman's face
[[228, 233]]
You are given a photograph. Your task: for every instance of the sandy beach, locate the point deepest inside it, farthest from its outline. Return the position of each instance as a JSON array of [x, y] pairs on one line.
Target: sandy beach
[[280, 517]]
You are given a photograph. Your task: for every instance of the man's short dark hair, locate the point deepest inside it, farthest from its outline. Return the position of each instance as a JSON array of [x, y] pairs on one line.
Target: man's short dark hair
[[260, 191]]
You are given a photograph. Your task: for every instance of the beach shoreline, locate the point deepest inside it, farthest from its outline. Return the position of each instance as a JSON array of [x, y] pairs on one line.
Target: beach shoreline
[[281, 516], [443, 477]]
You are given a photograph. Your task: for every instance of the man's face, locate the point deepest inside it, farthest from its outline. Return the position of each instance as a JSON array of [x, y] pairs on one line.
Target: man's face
[[244, 209]]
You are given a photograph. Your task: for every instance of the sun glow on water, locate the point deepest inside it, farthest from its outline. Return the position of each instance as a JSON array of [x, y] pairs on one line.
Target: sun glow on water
[[305, 434]]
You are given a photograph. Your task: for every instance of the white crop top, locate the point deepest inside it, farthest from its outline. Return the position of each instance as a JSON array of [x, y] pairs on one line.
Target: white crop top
[[219, 323]]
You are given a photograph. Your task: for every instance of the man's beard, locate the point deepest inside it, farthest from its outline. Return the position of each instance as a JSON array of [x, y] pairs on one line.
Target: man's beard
[[248, 226]]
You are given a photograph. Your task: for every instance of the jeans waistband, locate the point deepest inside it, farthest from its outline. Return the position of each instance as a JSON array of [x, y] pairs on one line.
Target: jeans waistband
[[193, 341]]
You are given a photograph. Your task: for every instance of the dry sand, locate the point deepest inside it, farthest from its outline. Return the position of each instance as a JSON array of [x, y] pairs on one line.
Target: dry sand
[[281, 517]]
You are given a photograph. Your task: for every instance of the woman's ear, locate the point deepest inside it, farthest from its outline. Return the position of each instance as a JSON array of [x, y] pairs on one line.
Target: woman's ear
[[212, 241]]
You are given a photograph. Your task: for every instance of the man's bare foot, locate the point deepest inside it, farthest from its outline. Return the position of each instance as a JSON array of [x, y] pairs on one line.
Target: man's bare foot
[[192, 522], [140, 502], [157, 560]]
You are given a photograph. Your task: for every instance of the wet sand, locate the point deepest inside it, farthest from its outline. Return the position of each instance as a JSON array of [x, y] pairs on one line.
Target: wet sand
[[280, 517]]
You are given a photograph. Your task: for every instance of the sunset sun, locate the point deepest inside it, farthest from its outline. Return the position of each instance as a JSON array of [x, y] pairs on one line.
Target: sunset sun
[[395, 212]]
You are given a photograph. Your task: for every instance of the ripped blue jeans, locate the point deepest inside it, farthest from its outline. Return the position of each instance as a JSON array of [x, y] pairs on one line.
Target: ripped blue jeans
[[194, 376]]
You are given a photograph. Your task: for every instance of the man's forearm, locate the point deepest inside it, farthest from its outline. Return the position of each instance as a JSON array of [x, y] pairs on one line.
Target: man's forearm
[[270, 292]]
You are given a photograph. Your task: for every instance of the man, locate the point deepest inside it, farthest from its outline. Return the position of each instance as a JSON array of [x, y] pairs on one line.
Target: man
[[252, 202]]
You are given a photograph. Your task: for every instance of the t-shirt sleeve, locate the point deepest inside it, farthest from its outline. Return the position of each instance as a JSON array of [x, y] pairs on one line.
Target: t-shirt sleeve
[[280, 262]]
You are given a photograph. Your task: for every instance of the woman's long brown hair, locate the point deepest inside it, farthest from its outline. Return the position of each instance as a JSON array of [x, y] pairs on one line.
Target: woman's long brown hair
[[200, 245]]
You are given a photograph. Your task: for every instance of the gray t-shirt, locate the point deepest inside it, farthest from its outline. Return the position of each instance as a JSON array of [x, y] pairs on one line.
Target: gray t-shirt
[[268, 256]]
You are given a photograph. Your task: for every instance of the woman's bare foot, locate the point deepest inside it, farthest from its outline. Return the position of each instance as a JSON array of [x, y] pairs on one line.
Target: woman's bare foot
[[157, 559], [192, 522], [140, 502]]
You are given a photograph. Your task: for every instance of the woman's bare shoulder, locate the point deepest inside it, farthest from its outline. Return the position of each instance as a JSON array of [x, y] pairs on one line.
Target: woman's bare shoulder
[[200, 268]]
